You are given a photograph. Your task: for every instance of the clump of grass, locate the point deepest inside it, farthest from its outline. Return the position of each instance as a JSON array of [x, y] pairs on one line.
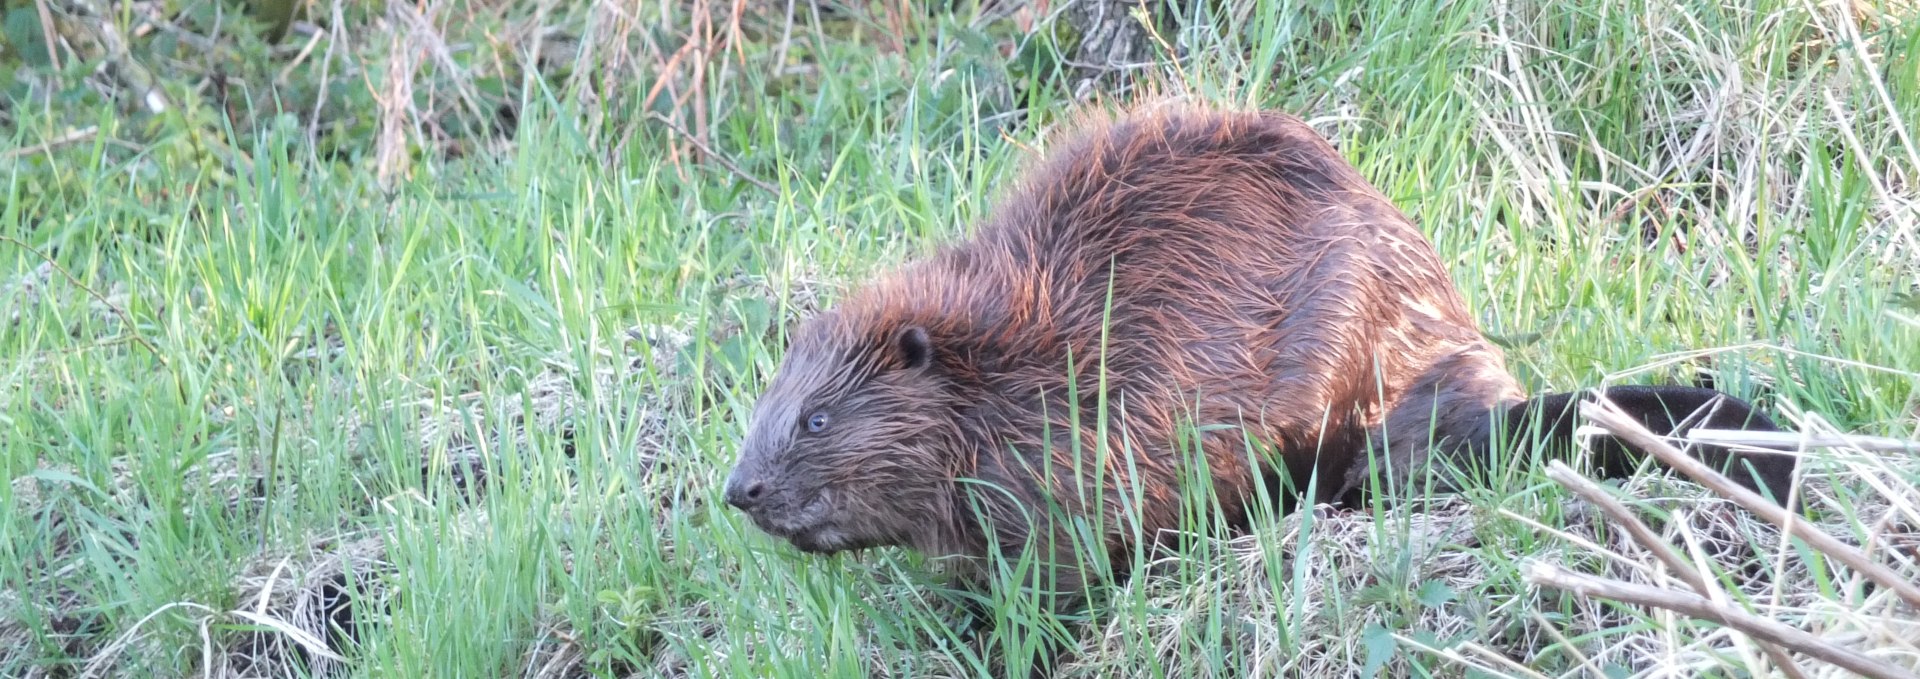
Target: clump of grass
[[304, 605]]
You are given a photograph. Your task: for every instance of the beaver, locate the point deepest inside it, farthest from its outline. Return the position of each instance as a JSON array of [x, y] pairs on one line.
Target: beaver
[[1179, 298]]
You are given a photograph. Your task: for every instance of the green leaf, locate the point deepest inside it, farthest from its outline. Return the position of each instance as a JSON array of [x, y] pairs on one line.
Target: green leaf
[[1434, 594], [756, 316], [25, 37], [735, 355], [1379, 644]]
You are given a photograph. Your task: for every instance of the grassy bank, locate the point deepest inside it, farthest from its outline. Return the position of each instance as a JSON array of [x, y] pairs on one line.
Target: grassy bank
[[417, 344]]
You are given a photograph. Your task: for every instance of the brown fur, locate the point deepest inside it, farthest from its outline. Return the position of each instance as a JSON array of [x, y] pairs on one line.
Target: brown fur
[[1227, 270]]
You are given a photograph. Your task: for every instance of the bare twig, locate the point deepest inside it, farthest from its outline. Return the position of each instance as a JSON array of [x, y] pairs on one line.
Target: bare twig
[[734, 37], [1638, 529], [72, 136], [1794, 440], [300, 58], [749, 178], [664, 75], [1694, 606], [1607, 415], [132, 329]]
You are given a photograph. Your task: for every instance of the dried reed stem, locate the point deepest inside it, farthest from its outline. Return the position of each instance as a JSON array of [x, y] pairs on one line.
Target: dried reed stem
[[1694, 606], [1591, 492], [1609, 416]]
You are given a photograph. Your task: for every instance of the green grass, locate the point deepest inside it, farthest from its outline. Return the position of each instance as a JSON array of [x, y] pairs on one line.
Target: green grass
[[303, 341]]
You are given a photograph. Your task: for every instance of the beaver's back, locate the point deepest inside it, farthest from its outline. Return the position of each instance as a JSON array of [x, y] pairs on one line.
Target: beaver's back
[[1240, 247]]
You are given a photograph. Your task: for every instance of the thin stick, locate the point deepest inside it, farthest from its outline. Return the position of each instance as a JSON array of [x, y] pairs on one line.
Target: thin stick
[[132, 330], [1605, 414], [677, 129], [1591, 492], [70, 137], [1694, 606], [665, 74], [1795, 440], [300, 58]]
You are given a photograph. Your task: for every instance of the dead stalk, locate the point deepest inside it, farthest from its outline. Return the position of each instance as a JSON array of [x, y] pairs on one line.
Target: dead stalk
[[1694, 606], [1608, 416], [71, 137], [1591, 492]]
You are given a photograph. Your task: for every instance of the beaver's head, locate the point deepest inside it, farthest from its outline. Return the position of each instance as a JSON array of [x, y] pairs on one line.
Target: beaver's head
[[851, 444]]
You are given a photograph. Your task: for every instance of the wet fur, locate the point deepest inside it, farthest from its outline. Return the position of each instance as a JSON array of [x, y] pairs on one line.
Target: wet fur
[[1222, 269]]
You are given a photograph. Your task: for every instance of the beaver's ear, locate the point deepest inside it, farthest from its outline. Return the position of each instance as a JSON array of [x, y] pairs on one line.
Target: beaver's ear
[[916, 350]]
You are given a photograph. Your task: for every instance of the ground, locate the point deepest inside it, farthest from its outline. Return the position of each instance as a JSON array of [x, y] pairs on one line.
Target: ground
[[416, 341]]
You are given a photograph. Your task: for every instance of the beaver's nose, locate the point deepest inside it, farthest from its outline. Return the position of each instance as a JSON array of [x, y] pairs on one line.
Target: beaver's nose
[[745, 493]]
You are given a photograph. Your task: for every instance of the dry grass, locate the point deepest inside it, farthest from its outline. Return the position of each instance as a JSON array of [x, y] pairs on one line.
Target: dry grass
[[314, 595]]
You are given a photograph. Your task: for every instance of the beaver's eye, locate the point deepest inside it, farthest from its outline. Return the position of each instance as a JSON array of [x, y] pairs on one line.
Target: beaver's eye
[[817, 423]]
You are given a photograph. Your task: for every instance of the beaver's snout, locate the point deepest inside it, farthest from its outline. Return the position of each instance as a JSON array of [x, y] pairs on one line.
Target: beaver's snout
[[744, 491]]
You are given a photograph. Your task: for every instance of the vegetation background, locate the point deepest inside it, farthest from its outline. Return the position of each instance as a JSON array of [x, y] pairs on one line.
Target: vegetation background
[[413, 339]]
